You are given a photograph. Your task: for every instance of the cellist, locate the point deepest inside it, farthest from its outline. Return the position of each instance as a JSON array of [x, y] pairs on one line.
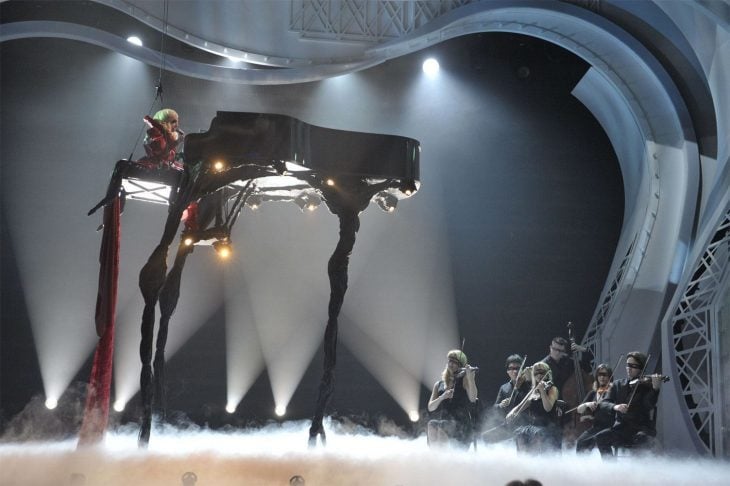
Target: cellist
[[562, 366]]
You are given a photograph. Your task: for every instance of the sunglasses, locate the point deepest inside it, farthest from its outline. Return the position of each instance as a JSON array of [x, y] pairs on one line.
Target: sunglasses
[[633, 366]]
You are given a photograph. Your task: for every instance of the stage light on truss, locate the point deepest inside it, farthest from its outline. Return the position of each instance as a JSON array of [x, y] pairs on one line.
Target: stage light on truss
[[280, 410], [188, 240], [222, 248], [119, 406], [414, 415], [330, 182], [51, 403], [231, 407], [133, 39]]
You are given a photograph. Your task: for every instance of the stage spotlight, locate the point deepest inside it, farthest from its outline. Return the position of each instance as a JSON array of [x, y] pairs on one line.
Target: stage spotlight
[[330, 182], [280, 410], [188, 240], [230, 408], [386, 201], [119, 406], [431, 67], [219, 165], [223, 248], [133, 39], [414, 416], [408, 187], [253, 201], [51, 403], [308, 201]]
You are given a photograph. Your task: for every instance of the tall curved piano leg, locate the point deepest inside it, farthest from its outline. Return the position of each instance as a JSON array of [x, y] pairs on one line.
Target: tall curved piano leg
[[337, 271], [169, 295], [151, 280]]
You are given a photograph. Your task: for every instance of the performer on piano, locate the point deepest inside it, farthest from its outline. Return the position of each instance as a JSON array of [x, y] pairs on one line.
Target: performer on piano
[[597, 410], [453, 402], [161, 144]]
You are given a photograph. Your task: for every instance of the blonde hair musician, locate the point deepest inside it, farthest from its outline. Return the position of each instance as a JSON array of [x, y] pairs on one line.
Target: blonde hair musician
[[452, 401], [539, 431]]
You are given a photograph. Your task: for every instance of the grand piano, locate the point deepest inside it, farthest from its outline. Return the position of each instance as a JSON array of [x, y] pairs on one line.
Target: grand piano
[[246, 159], [294, 149]]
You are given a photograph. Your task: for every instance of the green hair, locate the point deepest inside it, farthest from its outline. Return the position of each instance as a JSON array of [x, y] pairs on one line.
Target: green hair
[[164, 114]]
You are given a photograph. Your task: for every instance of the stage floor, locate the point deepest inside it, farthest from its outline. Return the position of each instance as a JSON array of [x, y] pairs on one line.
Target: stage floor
[[273, 454]]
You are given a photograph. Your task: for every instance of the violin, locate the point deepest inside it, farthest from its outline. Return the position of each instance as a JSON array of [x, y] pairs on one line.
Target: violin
[[647, 379]]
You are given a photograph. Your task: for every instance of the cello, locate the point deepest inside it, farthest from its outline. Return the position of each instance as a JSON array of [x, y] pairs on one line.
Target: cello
[[574, 393]]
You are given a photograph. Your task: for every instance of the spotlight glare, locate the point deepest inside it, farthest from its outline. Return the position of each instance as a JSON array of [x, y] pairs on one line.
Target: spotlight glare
[[330, 182], [222, 248], [218, 165], [280, 410], [51, 403], [431, 66], [230, 408], [119, 406], [413, 415], [133, 39], [188, 241]]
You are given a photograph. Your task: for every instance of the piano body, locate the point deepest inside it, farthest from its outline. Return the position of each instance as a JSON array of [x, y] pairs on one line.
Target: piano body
[[298, 149]]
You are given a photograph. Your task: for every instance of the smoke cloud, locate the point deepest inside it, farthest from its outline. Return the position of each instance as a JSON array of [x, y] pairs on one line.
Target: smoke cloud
[[354, 455]]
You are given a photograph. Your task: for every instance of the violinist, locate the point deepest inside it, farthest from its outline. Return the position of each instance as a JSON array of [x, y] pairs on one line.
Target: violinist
[[596, 410], [633, 399], [453, 399], [508, 397], [540, 432]]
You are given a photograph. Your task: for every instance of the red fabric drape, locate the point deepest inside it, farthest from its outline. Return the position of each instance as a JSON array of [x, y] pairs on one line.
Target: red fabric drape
[[96, 412]]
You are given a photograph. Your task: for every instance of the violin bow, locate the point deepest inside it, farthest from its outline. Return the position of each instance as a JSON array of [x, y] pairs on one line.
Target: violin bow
[[633, 393], [514, 388]]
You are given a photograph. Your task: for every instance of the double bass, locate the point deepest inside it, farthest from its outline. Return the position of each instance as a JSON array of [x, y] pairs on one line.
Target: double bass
[[574, 393]]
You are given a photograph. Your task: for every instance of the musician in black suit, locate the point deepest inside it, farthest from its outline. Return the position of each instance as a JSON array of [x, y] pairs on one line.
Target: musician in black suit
[[453, 402], [634, 400]]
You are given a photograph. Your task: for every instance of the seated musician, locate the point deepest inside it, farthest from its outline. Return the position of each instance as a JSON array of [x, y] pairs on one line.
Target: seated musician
[[540, 432], [162, 141], [634, 400], [453, 401], [596, 410], [507, 398]]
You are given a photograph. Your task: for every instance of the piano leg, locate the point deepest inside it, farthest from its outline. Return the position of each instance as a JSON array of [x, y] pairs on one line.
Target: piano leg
[[337, 271]]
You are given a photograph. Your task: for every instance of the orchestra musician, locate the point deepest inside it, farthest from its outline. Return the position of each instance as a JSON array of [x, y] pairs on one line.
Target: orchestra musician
[[634, 400], [561, 364], [596, 410], [510, 394], [540, 432], [453, 402]]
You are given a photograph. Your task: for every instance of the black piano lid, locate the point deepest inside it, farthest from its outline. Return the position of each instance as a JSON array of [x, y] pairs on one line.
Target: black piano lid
[[259, 138]]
